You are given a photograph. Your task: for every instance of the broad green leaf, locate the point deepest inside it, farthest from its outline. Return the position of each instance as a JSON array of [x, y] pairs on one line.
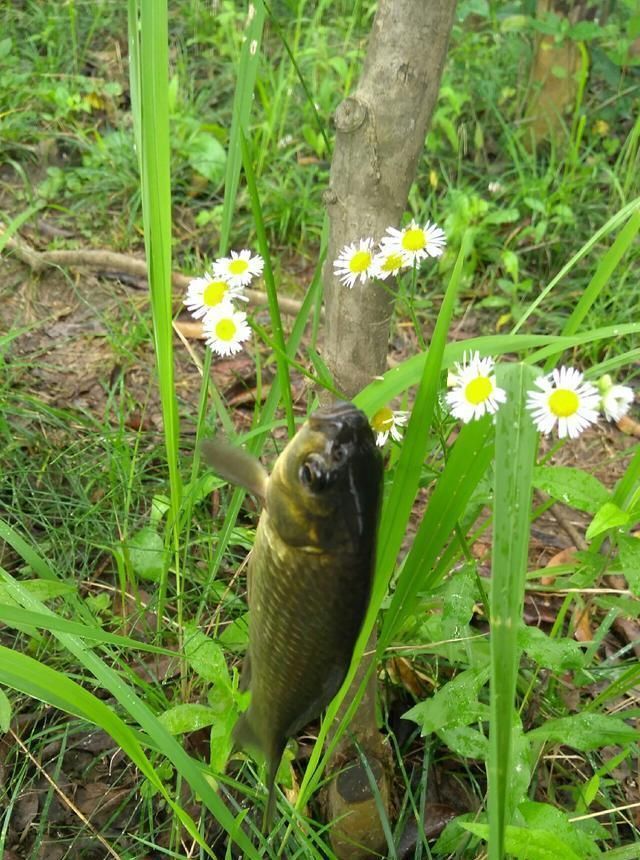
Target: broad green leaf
[[555, 654], [222, 705], [235, 636], [609, 516], [459, 599], [544, 816], [206, 156], [571, 487], [455, 704], [629, 549], [206, 657], [466, 742], [188, 717], [147, 554], [524, 843], [455, 837], [5, 713], [585, 731]]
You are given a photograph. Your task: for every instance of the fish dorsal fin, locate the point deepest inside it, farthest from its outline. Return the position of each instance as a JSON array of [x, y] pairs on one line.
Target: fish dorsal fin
[[235, 465]]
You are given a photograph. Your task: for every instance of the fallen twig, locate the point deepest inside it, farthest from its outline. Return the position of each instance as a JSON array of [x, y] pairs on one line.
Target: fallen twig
[[125, 264]]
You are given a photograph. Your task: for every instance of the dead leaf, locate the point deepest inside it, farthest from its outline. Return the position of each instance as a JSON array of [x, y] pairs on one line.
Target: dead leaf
[[565, 556], [581, 624], [629, 426]]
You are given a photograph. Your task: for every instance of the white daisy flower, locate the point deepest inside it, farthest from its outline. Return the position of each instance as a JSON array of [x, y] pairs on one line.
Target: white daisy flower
[[565, 398], [206, 293], [386, 423], [387, 263], [225, 329], [474, 390], [353, 262], [414, 242], [615, 400], [240, 268]]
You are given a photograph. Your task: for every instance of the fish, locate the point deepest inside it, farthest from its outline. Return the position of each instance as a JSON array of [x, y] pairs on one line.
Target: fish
[[309, 574]]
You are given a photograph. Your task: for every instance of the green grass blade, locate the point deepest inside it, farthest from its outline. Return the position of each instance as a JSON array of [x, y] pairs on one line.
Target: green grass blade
[[619, 218], [515, 448], [396, 381], [467, 462], [397, 507], [605, 268], [151, 75], [257, 441], [241, 111], [34, 679], [15, 616], [270, 284], [191, 770]]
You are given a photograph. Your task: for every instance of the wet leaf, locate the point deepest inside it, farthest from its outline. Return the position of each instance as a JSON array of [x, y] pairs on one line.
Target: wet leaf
[[571, 487], [147, 554], [525, 843], [609, 516], [466, 742], [206, 657], [456, 704], [41, 589], [188, 717], [629, 549], [585, 731], [555, 654]]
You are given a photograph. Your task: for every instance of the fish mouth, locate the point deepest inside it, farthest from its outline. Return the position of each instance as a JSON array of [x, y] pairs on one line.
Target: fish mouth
[[341, 422]]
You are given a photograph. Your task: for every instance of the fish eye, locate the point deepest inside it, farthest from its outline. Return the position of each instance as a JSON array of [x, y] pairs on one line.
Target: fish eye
[[313, 473], [339, 455]]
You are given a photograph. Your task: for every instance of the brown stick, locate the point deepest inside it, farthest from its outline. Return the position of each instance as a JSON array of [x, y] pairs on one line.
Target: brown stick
[[125, 264]]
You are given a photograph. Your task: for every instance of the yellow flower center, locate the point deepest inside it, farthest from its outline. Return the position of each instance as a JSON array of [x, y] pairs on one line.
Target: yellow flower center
[[393, 262], [478, 390], [382, 420], [564, 403], [413, 239], [360, 262], [214, 293], [226, 329], [238, 266]]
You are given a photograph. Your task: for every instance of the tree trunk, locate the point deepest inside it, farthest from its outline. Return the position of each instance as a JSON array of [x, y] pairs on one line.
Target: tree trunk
[[554, 79], [380, 133]]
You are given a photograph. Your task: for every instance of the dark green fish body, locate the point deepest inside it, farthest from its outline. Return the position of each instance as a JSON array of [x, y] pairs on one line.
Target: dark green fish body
[[310, 575]]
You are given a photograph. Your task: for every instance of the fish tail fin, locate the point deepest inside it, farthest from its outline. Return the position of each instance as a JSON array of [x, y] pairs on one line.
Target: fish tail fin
[[272, 771], [246, 737]]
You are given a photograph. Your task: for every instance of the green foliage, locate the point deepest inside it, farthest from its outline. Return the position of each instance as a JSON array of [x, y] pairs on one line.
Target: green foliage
[[544, 244]]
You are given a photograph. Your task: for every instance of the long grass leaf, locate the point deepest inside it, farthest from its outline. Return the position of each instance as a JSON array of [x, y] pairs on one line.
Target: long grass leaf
[[605, 268], [514, 460], [270, 284], [191, 770], [28, 676], [241, 111], [397, 380], [150, 80]]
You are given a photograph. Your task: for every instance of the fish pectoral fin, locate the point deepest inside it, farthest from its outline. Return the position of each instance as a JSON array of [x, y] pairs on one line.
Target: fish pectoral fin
[[235, 465]]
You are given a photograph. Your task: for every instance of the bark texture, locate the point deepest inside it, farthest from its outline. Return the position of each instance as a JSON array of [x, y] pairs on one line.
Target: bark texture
[[380, 133]]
